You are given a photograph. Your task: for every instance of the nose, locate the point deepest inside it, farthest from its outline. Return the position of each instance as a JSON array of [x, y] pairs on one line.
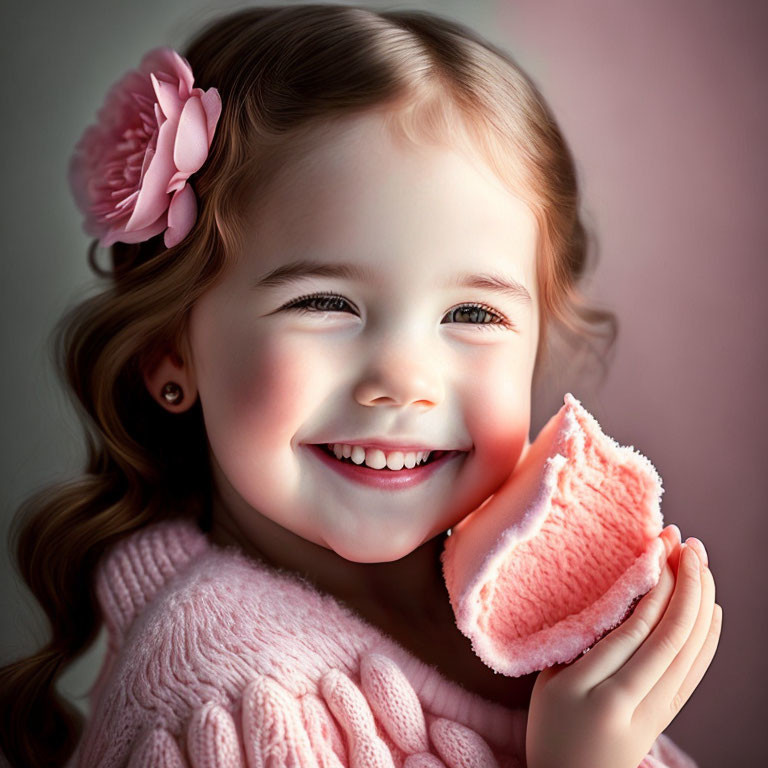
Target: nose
[[400, 377]]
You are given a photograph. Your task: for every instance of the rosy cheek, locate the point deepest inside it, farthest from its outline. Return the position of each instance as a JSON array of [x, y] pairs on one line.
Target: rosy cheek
[[497, 409], [498, 392], [262, 376], [275, 384]]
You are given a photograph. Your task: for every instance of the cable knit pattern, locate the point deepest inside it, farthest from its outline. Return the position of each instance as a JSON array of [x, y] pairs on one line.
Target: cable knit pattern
[[218, 661]]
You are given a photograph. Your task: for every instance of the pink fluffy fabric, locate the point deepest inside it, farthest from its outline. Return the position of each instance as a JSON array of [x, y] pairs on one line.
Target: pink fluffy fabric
[[561, 553]]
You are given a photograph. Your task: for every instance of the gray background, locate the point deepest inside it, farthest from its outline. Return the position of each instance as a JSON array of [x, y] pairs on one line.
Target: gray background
[[664, 106]]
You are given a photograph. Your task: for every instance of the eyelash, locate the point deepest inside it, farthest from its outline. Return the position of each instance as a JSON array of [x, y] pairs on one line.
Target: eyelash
[[293, 305]]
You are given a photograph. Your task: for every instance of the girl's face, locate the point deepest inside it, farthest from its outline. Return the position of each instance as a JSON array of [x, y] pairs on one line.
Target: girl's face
[[397, 356]]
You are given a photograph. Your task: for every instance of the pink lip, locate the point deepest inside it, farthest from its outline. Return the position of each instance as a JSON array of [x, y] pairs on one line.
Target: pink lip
[[383, 478]]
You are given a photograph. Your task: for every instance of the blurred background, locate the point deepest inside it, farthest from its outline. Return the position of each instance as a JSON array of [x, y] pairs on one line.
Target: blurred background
[[664, 106]]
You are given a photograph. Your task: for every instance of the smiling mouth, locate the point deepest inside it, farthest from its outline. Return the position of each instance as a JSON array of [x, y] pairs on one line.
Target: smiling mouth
[[433, 456]]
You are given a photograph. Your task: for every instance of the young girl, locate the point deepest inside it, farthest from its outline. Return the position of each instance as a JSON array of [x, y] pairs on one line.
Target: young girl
[[339, 239]]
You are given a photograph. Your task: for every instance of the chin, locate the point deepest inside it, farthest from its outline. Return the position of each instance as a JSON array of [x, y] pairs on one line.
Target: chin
[[375, 553], [371, 557]]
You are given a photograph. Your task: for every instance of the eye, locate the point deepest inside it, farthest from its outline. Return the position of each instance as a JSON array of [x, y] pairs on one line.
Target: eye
[[332, 302], [480, 310], [310, 303]]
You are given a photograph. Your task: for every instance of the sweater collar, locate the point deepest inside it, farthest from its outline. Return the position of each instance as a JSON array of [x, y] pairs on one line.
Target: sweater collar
[[148, 560]]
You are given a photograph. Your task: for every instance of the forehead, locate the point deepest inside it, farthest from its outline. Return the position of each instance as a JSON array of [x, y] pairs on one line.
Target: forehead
[[361, 195]]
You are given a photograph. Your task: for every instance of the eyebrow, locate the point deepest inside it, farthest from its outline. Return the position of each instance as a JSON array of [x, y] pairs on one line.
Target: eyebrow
[[295, 270]]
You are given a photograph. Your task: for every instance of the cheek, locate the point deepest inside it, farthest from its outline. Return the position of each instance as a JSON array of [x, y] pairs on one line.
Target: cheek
[[267, 383], [256, 399], [270, 385], [498, 412]]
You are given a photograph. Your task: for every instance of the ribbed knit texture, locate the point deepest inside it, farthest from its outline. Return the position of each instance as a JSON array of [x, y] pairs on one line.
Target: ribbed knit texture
[[215, 660]]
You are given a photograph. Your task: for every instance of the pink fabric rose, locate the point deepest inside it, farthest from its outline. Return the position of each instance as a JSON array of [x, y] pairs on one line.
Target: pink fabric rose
[[129, 171]]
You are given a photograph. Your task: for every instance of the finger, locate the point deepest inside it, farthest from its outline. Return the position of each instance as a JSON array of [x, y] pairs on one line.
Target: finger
[[672, 540], [701, 550], [672, 537], [657, 653], [665, 700], [273, 729], [699, 667], [707, 653], [212, 740], [615, 649], [674, 558], [351, 710], [157, 750]]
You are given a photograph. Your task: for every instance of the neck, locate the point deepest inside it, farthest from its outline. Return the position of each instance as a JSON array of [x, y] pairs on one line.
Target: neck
[[408, 591]]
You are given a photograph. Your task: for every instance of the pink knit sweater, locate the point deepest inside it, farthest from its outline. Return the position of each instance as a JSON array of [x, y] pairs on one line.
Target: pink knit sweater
[[217, 660]]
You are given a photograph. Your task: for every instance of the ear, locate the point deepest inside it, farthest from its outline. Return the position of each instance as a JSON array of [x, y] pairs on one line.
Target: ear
[[172, 368]]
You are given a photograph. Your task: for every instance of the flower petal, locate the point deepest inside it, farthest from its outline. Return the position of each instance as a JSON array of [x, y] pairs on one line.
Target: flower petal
[[182, 213], [118, 233], [191, 146], [212, 106], [167, 97], [123, 170], [177, 182], [153, 199], [183, 71], [171, 64]]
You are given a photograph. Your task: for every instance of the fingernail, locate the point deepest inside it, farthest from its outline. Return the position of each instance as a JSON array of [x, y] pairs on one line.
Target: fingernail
[[689, 559], [699, 548]]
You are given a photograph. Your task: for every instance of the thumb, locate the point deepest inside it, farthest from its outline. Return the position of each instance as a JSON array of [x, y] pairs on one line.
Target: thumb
[[549, 672], [671, 537]]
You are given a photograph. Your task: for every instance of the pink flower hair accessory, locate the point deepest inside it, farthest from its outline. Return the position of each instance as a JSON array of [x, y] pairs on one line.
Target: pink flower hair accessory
[[130, 171]]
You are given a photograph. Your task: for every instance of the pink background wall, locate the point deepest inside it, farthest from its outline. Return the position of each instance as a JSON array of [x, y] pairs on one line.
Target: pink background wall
[[664, 105]]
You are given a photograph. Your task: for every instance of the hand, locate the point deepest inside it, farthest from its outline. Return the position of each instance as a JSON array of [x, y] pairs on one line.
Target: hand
[[607, 708]]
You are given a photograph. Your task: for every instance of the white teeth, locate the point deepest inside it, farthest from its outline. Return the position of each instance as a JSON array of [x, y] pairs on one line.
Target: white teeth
[[378, 459]]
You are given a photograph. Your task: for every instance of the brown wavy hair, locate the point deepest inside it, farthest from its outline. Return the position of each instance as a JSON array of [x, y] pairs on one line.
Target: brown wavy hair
[[285, 75]]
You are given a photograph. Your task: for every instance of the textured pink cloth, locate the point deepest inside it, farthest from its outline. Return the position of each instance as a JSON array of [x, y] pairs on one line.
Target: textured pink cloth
[[217, 660], [562, 551]]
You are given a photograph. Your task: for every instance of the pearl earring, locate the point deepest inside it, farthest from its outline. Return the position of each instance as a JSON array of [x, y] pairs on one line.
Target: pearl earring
[[172, 393]]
